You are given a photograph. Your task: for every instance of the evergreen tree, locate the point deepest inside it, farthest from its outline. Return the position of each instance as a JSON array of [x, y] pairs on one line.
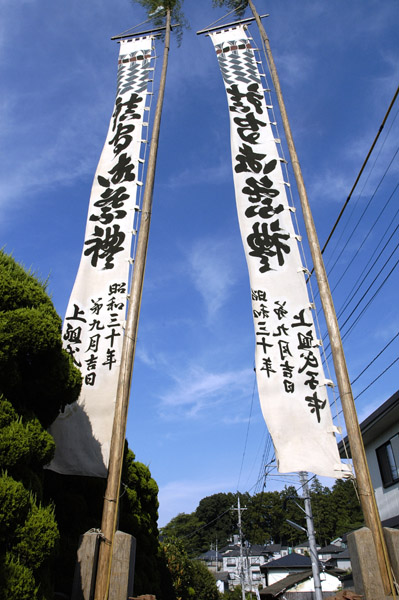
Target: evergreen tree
[[203, 582], [78, 506], [37, 378]]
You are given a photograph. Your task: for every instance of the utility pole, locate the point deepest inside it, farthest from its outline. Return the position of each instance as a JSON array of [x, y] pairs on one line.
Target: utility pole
[[242, 573], [303, 476], [365, 488]]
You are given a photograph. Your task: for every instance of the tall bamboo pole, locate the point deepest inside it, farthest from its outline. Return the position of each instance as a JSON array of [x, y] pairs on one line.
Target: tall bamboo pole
[[365, 488], [111, 499]]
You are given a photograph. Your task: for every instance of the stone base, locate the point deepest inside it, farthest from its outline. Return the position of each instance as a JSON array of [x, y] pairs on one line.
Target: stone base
[[122, 569], [365, 571]]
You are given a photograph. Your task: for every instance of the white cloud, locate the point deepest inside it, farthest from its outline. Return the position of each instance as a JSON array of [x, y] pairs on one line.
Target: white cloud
[[211, 269], [198, 389]]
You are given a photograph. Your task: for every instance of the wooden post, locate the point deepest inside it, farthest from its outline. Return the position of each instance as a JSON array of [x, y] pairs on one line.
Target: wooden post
[[111, 499], [366, 492]]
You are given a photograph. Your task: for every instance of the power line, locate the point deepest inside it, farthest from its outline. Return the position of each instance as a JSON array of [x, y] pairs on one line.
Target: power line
[[348, 301], [372, 382], [370, 364], [364, 211], [361, 170], [371, 228], [246, 437]]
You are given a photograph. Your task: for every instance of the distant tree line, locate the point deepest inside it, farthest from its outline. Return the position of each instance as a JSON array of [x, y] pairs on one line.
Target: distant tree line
[[336, 511]]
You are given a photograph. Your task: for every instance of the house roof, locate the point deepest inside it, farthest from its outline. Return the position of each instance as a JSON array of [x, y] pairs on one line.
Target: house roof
[[254, 550], [220, 575], [304, 544], [273, 548], [292, 561], [284, 584], [210, 555], [343, 554], [376, 423], [330, 549]]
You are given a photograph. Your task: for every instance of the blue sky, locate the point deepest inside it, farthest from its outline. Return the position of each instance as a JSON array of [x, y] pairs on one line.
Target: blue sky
[[194, 416]]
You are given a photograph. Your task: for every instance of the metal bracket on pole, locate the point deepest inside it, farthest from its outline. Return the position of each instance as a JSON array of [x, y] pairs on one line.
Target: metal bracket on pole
[[229, 24], [140, 33]]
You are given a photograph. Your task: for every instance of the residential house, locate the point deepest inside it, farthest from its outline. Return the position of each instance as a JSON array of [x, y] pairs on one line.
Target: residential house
[[380, 432], [300, 583], [341, 560], [294, 573], [328, 552], [212, 559], [222, 581], [253, 557], [304, 548], [284, 566]]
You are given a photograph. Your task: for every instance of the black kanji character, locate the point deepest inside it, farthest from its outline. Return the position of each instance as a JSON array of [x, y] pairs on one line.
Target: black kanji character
[[95, 325], [287, 369], [114, 305], [123, 170], [266, 244], [289, 386], [248, 160], [90, 379], [261, 312], [316, 405], [281, 330], [72, 352], [112, 337], [312, 382], [73, 334], [301, 320], [252, 96], [248, 127], [258, 295], [96, 306], [91, 362], [110, 359], [267, 366], [117, 288], [310, 361], [76, 313], [93, 343], [280, 311], [122, 138], [284, 347], [305, 340], [264, 345], [104, 245]]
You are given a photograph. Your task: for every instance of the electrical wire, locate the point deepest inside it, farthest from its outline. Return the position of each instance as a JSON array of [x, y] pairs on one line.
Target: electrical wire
[[371, 229], [363, 212], [361, 170], [348, 299], [247, 434]]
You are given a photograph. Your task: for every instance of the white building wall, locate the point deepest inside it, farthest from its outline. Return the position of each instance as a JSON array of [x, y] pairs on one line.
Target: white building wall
[[329, 583], [387, 498]]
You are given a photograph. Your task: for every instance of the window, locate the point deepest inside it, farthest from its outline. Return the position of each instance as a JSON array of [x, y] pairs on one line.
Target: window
[[388, 461]]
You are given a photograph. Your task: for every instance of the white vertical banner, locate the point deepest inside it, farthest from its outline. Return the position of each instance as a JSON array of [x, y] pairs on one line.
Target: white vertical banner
[[291, 383], [94, 322]]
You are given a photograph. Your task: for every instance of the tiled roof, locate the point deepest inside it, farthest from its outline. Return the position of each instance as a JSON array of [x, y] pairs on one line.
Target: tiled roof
[[330, 549], [291, 560]]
